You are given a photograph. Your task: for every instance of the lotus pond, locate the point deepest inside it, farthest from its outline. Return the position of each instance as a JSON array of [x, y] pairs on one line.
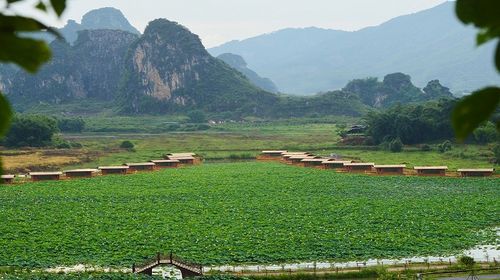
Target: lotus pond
[[244, 213]]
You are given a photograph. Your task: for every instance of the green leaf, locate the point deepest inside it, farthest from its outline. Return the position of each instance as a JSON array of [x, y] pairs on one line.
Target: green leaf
[[41, 6], [11, 24], [5, 115], [481, 13], [497, 57], [28, 53], [484, 36], [474, 109], [59, 6]]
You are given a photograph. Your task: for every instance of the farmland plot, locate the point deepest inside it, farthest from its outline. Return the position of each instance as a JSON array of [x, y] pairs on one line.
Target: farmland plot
[[244, 213]]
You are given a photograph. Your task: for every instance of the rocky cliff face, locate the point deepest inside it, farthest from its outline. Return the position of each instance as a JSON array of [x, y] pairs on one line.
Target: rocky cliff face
[[166, 59], [168, 68], [91, 68], [238, 63]]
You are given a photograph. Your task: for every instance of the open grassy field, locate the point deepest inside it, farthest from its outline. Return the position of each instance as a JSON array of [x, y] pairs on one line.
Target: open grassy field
[[244, 213], [222, 142]]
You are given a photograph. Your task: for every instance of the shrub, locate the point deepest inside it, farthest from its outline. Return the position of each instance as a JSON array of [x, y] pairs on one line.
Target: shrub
[[342, 133], [241, 156], [466, 261], [396, 146], [445, 146], [76, 145], [127, 145], [63, 145]]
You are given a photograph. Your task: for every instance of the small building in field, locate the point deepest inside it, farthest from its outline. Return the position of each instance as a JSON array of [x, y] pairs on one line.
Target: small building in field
[[297, 159], [143, 166], [80, 173], [185, 160], [286, 156], [166, 163], [335, 164], [431, 170], [397, 169], [481, 172], [45, 176], [181, 155], [312, 162], [359, 166], [271, 155], [197, 159], [7, 179], [112, 170]]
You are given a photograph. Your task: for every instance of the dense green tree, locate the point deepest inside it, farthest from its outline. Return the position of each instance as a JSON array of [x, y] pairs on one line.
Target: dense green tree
[[71, 125], [366, 89], [197, 116], [434, 90], [412, 124], [31, 131], [486, 133]]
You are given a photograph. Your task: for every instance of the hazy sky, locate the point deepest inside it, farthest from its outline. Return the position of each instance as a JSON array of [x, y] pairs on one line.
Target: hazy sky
[[219, 21]]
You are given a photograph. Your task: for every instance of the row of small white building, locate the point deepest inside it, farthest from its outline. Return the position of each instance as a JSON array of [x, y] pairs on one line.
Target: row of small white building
[[309, 160], [172, 160]]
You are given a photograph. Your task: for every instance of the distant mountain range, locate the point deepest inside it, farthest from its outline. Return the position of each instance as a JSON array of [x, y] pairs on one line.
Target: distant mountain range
[[167, 70], [427, 45], [238, 63], [103, 18]]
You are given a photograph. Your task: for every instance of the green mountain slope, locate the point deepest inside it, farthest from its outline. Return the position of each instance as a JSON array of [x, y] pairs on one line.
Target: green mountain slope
[[168, 70], [90, 69], [238, 63]]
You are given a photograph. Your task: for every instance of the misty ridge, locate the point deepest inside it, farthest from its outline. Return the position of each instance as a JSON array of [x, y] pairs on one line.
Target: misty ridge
[[414, 58], [427, 45]]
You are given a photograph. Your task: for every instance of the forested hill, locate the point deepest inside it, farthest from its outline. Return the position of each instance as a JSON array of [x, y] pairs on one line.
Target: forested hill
[[428, 45], [167, 70], [395, 88]]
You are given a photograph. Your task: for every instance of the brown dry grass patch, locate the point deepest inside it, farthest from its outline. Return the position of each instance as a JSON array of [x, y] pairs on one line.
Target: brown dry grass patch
[[23, 161]]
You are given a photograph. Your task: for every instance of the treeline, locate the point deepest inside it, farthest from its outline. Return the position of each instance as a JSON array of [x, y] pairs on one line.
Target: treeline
[[420, 123], [41, 131]]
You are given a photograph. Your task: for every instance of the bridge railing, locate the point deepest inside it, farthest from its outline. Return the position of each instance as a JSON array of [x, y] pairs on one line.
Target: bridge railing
[[167, 259], [144, 264]]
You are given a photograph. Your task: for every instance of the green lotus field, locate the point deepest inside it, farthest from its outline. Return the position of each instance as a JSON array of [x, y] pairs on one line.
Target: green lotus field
[[244, 213]]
